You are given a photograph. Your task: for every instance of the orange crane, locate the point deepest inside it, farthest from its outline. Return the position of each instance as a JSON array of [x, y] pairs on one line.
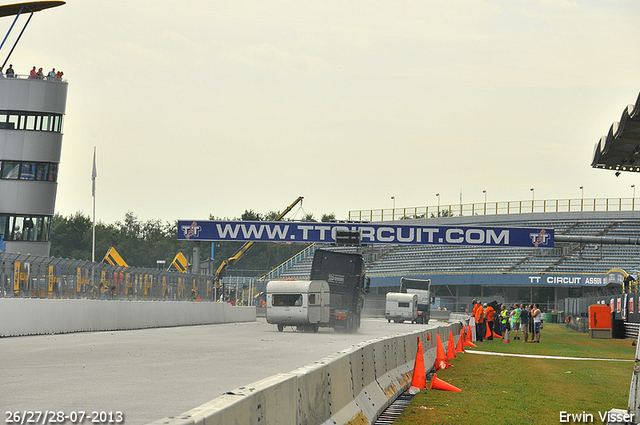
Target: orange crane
[[244, 248]]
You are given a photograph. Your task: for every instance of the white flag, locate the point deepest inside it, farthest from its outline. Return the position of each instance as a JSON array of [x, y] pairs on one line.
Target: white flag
[[94, 174]]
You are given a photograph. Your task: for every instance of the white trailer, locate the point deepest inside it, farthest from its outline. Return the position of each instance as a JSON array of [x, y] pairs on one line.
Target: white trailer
[[401, 307], [301, 303]]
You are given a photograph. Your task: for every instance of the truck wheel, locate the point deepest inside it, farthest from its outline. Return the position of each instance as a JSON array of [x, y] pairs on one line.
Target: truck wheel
[[388, 320], [352, 325], [315, 328], [280, 328]]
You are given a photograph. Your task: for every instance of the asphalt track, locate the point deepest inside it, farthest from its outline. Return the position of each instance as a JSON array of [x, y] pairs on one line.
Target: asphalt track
[[154, 373]]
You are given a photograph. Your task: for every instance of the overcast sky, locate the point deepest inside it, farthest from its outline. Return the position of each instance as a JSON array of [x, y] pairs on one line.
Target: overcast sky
[[202, 108]]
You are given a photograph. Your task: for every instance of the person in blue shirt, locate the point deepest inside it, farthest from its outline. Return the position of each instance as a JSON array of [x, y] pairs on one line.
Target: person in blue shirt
[[524, 322]]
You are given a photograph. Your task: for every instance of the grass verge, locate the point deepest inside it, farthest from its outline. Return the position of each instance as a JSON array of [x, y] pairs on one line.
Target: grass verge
[[516, 390]]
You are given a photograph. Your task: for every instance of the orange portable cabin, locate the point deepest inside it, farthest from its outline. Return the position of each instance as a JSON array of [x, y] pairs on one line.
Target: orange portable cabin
[[599, 321]]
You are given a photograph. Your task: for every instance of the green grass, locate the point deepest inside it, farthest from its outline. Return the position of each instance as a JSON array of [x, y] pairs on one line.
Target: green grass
[[516, 390]]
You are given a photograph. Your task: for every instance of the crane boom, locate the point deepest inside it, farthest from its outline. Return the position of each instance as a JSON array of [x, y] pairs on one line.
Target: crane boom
[[246, 246]]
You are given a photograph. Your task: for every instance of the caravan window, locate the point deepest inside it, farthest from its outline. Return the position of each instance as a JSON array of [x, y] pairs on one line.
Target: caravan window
[[403, 305], [286, 300], [312, 299]]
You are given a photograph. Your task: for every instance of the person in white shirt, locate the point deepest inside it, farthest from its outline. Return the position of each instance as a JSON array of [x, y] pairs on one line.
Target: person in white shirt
[[537, 322]]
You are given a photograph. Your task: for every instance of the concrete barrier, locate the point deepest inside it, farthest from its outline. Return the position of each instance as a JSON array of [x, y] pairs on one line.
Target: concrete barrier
[[350, 387], [440, 315], [25, 316]]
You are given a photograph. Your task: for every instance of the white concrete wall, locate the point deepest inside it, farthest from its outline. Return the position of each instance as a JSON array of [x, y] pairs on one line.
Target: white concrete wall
[[23, 316], [350, 387]]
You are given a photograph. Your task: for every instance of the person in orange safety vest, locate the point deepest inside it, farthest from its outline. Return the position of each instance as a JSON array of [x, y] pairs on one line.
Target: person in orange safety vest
[[488, 314], [479, 316]]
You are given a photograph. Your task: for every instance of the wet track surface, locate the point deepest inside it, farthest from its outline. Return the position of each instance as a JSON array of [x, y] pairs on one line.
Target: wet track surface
[[153, 373]]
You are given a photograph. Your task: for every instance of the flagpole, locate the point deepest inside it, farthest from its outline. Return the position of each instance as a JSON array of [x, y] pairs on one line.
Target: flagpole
[[94, 174]]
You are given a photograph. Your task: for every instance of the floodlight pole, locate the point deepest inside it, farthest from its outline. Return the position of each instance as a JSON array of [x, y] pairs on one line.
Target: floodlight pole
[[393, 209], [485, 201], [533, 198]]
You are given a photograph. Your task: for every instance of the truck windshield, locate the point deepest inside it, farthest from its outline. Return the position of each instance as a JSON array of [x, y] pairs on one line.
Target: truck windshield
[[286, 300]]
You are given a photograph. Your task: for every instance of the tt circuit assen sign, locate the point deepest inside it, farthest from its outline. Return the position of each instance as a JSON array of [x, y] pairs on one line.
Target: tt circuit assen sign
[[305, 232]]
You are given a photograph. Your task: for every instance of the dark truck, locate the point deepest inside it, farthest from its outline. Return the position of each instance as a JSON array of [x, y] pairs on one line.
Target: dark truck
[[337, 276], [345, 274]]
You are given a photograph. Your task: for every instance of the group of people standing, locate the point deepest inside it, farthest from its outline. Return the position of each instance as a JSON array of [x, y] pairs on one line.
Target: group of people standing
[[53, 75], [39, 75], [521, 318]]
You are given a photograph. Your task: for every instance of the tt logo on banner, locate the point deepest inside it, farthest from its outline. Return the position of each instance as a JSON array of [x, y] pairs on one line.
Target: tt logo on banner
[[192, 230]]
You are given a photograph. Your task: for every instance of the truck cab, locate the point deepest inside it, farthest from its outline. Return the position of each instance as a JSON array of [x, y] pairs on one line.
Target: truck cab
[[344, 272]]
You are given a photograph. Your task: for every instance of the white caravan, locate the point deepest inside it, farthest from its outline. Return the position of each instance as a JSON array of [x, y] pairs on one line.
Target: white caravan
[[300, 303], [401, 307]]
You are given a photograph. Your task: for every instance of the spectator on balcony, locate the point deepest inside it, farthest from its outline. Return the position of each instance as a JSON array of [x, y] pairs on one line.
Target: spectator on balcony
[[33, 74], [59, 75], [10, 73], [1, 74], [40, 74], [52, 74]]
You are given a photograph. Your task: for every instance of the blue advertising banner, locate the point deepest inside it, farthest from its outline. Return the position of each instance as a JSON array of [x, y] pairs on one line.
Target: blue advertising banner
[[309, 232], [508, 279]]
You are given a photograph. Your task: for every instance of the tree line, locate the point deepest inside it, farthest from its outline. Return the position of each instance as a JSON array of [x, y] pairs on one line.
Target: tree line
[[143, 243]]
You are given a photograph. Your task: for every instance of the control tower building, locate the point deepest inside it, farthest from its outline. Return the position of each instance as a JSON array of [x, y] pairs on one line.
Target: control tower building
[[31, 120]]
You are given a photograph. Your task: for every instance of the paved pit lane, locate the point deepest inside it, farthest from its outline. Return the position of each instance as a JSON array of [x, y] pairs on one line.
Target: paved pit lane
[[153, 373]]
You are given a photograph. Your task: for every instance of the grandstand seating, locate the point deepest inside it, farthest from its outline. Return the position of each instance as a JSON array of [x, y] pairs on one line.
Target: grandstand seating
[[566, 258]]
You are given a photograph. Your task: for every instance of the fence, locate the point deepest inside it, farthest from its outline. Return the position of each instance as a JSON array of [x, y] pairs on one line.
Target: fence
[[494, 208], [28, 276]]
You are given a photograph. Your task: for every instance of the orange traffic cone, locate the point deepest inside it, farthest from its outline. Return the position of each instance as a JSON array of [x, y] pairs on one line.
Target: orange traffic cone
[[419, 379], [441, 358], [495, 335], [451, 347], [460, 348], [439, 384], [488, 333], [467, 341]]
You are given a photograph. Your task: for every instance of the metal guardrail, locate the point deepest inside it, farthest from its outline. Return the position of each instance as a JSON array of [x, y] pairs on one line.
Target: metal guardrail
[[289, 263], [30, 77], [494, 208], [28, 276]]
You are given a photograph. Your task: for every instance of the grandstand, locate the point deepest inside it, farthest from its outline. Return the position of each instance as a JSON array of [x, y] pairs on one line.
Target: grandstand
[[546, 276]]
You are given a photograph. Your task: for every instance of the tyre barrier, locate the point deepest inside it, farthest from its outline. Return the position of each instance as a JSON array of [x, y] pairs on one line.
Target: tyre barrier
[[352, 386], [26, 316]]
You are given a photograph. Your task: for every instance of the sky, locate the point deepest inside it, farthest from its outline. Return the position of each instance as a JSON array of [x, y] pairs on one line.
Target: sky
[[211, 108]]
